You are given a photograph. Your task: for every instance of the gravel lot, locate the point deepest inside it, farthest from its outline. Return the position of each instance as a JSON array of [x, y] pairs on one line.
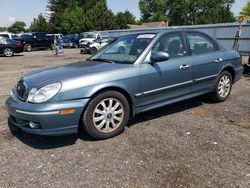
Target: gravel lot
[[189, 144]]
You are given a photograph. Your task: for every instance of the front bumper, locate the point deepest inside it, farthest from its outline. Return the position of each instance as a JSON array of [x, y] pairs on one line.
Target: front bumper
[[46, 116], [84, 49]]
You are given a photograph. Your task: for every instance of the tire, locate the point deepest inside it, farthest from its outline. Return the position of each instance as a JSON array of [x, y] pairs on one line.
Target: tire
[[223, 87], [8, 52], [28, 47], [93, 50], [100, 121]]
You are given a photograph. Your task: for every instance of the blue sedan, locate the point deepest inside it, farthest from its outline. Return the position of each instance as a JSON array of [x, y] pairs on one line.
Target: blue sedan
[[101, 94]]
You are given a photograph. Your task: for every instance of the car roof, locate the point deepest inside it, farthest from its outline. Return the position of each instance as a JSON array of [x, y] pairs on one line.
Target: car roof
[[162, 31]]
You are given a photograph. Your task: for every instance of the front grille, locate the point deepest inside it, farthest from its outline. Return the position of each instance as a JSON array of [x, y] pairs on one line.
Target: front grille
[[20, 89]]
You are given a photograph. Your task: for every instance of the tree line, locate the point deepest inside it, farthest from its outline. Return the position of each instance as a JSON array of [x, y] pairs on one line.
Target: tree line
[[75, 16]]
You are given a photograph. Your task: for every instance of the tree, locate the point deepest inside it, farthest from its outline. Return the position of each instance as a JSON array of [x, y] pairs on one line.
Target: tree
[[122, 19], [17, 27], [246, 11], [73, 19], [57, 8], [153, 10], [100, 17], [186, 12], [40, 24]]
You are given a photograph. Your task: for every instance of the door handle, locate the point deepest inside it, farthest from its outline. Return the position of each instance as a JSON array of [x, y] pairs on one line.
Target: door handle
[[184, 67], [218, 60]]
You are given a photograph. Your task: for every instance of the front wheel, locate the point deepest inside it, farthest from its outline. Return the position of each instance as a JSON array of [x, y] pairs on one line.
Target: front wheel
[[106, 115], [223, 87], [93, 50]]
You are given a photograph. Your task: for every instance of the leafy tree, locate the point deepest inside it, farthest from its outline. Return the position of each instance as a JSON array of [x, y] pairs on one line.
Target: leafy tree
[[184, 12], [3, 29], [153, 10], [73, 19], [40, 24], [246, 11], [100, 17], [17, 27], [57, 8], [122, 19]]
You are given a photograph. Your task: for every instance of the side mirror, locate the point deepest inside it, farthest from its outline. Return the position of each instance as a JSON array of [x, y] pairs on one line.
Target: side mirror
[[159, 56]]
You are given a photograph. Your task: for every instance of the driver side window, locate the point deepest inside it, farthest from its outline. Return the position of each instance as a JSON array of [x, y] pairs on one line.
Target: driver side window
[[172, 43]]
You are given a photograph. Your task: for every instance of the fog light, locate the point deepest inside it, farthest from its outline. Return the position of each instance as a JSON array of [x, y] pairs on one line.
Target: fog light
[[33, 125]]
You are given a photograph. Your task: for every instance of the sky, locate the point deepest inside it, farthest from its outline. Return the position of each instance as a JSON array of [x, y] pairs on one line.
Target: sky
[[27, 10]]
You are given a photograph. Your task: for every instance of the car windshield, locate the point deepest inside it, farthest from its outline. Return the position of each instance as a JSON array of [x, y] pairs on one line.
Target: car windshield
[[92, 36], [125, 49]]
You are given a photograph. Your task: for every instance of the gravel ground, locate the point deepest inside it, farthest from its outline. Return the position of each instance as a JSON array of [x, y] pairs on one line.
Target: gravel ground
[[193, 143]]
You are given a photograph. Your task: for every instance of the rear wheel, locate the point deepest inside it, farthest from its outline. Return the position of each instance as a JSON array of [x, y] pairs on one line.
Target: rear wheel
[[223, 87], [8, 52], [106, 115], [28, 47]]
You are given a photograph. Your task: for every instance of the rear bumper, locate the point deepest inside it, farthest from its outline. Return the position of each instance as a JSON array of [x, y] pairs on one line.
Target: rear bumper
[[18, 50], [238, 73], [46, 116]]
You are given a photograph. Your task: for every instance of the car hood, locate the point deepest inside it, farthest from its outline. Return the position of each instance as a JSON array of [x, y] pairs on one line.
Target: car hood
[[62, 73]]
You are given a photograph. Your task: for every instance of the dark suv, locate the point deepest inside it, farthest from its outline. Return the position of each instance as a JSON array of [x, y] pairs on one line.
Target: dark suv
[[35, 40]]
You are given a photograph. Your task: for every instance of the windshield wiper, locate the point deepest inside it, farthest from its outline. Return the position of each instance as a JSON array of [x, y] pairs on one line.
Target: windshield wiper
[[100, 59]]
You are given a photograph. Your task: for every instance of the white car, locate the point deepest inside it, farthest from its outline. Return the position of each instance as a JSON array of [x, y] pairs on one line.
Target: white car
[[8, 35], [88, 37], [96, 45]]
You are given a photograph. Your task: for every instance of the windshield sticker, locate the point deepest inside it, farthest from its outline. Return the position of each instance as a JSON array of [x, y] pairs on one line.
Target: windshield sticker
[[146, 36]]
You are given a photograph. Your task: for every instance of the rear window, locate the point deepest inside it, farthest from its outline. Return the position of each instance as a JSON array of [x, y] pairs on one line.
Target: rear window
[[2, 40], [200, 43]]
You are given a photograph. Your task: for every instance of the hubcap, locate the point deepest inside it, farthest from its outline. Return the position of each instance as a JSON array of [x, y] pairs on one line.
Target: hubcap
[[28, 47], [8, 52], [224, 86], [108, 115]]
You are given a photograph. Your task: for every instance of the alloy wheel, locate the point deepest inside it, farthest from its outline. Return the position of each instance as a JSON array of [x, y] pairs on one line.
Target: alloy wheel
[[108, 115], [8, 52], [224, 86]]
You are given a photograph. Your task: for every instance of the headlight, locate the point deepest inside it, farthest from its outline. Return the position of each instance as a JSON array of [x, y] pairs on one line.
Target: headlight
[[45, 93]]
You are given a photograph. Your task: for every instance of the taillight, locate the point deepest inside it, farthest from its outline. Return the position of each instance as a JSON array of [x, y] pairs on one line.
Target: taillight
[[18, 43]]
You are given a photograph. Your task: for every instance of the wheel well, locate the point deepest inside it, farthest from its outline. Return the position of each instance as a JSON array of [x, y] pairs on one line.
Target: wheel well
[[231, 71], [120, 90]]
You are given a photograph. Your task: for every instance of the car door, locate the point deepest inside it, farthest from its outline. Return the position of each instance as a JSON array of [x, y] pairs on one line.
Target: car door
[[169, 79], [207, 60], [42, 42]]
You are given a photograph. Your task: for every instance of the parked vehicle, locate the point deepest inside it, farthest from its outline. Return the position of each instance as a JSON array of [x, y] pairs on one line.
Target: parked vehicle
[[9, 47], [102, 93], [8, 35], [88, 37], [71, 41], [96, 45], [35, 40]]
